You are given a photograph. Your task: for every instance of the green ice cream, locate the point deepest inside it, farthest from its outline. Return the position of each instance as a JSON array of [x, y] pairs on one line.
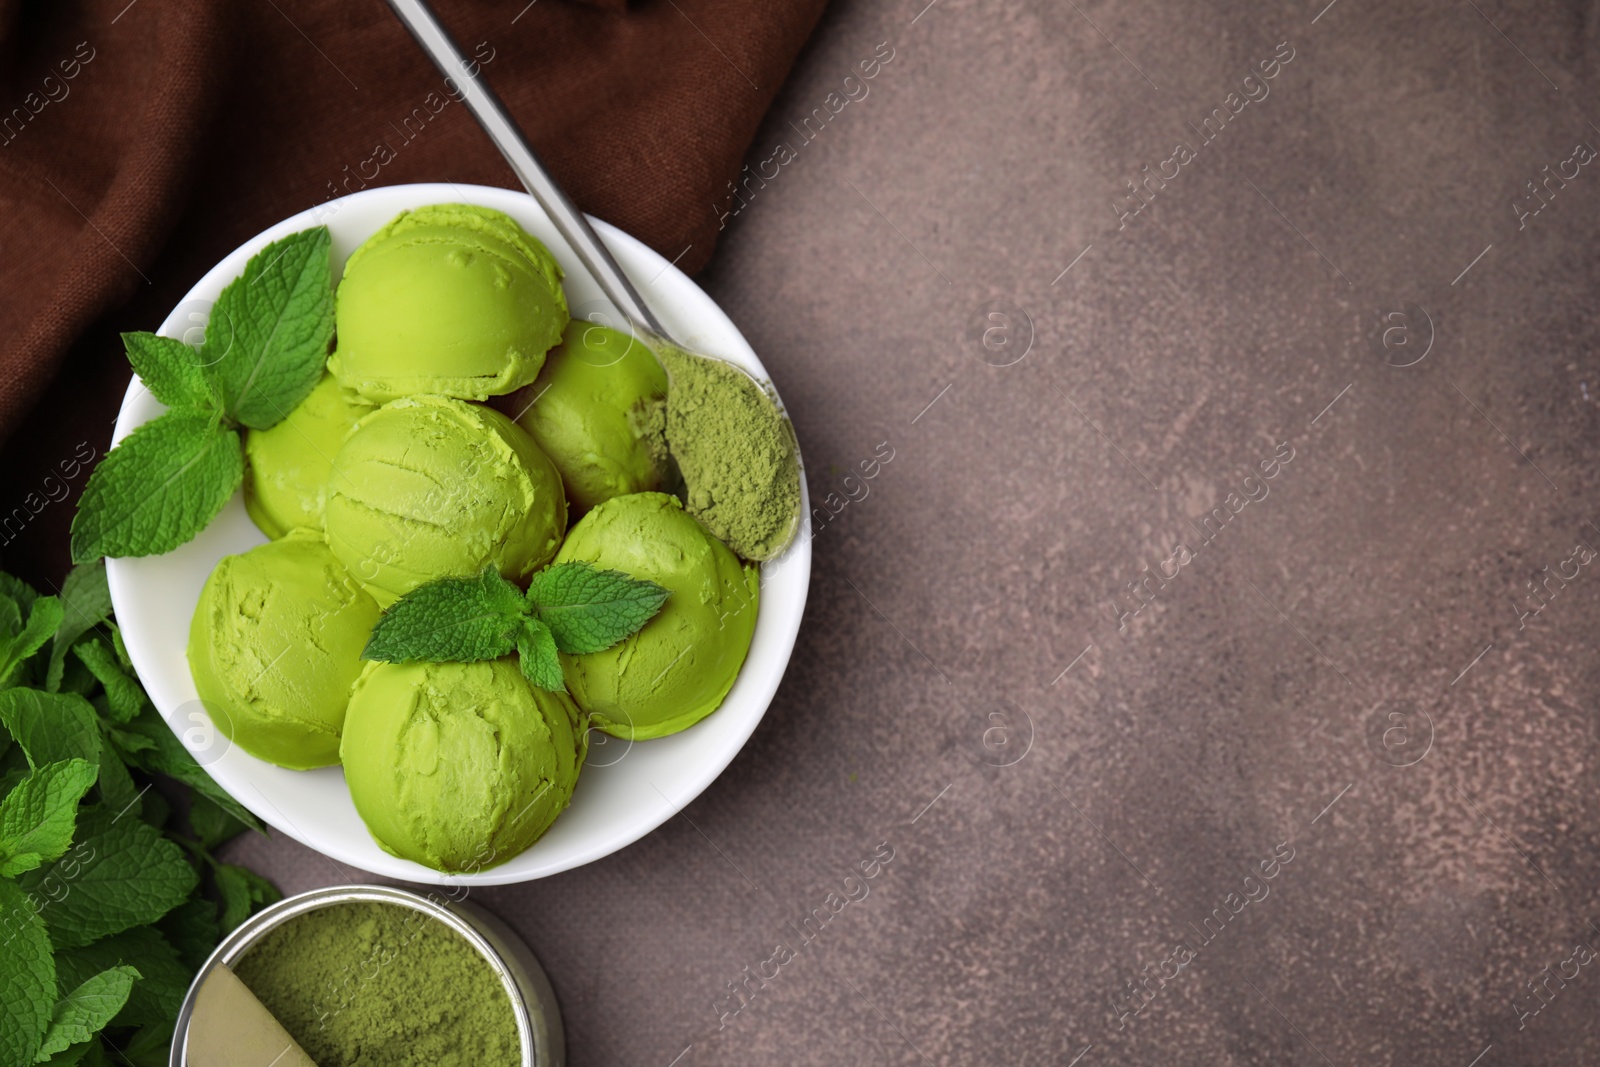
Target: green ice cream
[[430, 487], [459, 766], [286, 477], [452, 299], [274, 646], [599, 410], [676, 670]]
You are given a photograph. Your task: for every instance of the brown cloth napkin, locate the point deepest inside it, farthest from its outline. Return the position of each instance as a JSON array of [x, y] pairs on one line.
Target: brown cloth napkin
[[141, 141]]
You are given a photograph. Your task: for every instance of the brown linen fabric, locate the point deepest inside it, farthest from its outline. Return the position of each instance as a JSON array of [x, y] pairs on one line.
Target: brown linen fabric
[[140, 142]]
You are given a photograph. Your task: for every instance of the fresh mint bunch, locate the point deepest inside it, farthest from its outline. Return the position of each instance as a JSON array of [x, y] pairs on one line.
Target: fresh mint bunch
[[108, 903], [570, 607], [265, 347]]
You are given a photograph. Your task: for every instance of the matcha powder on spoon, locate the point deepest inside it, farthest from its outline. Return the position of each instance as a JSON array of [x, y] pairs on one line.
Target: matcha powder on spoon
[[378, 985], [736, 452]]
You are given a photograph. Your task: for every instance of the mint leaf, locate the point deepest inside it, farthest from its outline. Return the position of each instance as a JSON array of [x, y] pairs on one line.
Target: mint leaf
[[158, 488], [15, 863], [241, 891], [122, 873], [121, 647], [27, 976], [151, 1047], [164, 978], [210, 824], [571, 607], [38, 816], [267, 340], [51, 727], [86, 1010], [128, 741], [168, 368], [115, 784], [166, 755], [536, 650], [124, 695], [91, 1053], [18, 590], [450, 620], [43, 619], [87, 600], [191, 929], [10, 617], [588, 609]]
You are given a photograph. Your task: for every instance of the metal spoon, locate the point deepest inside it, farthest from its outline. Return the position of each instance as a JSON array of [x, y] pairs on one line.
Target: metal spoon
[[418, 17]]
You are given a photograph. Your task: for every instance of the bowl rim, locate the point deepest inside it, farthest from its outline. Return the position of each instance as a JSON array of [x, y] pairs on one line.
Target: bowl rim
[[138, 407]]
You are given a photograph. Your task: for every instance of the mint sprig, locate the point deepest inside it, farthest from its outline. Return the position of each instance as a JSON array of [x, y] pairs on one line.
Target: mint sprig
[[109, 901], [571, 607], [265, 347]]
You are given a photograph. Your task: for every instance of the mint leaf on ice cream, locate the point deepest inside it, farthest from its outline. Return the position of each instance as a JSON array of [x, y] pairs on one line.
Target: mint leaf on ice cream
[[169, 368], [450, 620], [589, 610], [158, 488], [571, 607], [536, 648], [268, 336]]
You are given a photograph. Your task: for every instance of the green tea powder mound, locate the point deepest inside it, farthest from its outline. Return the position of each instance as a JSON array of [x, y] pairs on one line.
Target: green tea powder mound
[[736, 452], [380, 985]]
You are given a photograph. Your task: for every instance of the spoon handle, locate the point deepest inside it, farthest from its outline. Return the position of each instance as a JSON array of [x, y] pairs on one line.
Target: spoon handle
[[418, 17]]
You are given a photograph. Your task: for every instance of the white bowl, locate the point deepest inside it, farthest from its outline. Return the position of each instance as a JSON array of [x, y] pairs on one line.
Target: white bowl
[[626, 790]]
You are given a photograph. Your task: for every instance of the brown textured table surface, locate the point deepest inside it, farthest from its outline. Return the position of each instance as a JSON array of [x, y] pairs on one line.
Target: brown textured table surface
[[1072, 658]]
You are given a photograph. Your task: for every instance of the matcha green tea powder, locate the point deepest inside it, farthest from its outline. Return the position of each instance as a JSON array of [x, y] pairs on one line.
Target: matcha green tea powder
[[380, 985], [736, 452]]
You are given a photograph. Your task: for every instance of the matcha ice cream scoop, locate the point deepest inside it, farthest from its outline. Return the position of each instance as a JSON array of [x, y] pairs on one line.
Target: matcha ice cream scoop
[[458, 766], [598, 409], [676, 670], [430, 487], [274, 646], [452, 299], [288, 466]]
